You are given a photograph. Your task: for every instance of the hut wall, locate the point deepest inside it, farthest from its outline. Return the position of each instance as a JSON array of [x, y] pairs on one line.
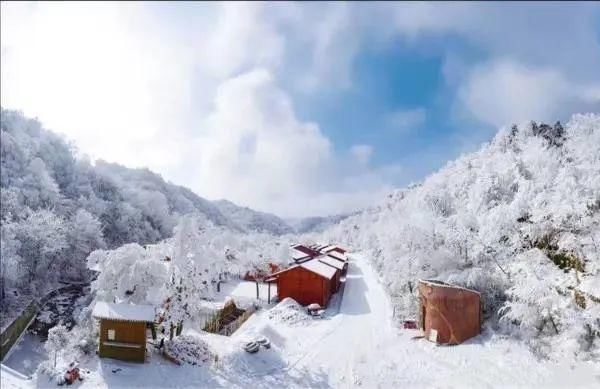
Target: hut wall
[[455, 313], [131, 333], [336, 282], [304, 286]]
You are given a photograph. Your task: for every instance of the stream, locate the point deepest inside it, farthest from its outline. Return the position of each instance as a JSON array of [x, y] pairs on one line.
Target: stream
[[28, 352]]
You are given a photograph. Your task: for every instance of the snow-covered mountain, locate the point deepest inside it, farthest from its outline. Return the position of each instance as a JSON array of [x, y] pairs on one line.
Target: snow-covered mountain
[[251, 220], [518, 220], [57, 208], [315, 223]]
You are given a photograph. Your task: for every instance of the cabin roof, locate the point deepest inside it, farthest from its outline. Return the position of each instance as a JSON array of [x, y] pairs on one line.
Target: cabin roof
[[338, 256], [328, 248], [124, 312], [441, 284], [331, 262], [314, 265], [299, 255], [320, 268], [305, 249]]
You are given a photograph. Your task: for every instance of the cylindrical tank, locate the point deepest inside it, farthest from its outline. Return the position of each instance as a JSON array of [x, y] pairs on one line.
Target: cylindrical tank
[[448, 314]]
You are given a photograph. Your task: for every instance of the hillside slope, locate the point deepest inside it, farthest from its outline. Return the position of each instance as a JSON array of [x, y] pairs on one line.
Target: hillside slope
[[56, 208], [518, 220], [251, 220]]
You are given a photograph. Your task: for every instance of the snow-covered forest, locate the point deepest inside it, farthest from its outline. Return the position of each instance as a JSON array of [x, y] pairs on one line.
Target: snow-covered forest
[[518, 220], [57, 207]]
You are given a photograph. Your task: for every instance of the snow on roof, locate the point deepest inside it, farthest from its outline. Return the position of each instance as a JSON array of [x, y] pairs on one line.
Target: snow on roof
[[274, 275], [303, 259], [442, 284], [331, 262], [304, 249], [328, 248], [125, 312], [319, 268], [299, 255], [338, 256], [332, 247]]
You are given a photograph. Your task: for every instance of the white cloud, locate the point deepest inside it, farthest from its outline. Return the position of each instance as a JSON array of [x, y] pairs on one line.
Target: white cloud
[[255, 150], [403, 121], [84, 71], [244, 37], [362, 153], [195, 92], [505, 92]]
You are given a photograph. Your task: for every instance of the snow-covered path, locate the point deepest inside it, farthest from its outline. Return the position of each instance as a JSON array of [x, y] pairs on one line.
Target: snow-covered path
[[360, 329]]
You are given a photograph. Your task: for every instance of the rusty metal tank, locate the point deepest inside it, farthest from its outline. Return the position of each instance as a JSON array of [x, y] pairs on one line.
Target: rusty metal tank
[[448, 314]]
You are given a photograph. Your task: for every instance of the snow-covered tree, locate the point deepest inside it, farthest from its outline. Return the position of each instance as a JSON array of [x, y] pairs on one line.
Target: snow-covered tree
[[42, 242], [517, 220], [58, 339], [84, 234]]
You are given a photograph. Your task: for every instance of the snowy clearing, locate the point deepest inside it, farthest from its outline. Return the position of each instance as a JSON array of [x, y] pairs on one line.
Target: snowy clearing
[[357, 346], [244, 290]]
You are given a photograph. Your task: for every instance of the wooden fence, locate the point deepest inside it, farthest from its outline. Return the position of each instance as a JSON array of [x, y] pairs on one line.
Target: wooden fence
[[227, 320], [13, 332]]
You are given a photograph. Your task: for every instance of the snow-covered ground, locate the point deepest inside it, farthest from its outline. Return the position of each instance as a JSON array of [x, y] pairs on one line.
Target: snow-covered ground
[[244, 290], [357, 346], [26, 355]]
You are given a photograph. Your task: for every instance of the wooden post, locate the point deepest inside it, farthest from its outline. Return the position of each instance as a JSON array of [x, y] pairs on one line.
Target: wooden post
[[269, 293], [256, 290]]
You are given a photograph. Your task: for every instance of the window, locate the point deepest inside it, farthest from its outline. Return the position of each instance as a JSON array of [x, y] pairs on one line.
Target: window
[[111, 334]]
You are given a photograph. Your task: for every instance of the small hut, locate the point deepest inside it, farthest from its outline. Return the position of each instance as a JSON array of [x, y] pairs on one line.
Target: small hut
[[307, 283], [123, 330], [448, 314]]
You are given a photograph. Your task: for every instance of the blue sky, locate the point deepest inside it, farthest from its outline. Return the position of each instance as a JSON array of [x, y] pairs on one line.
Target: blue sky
[[296, 108]]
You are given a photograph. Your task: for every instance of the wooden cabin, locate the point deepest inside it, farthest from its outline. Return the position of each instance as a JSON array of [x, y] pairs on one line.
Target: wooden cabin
[[307, 283], [448, 314], [123, 330]]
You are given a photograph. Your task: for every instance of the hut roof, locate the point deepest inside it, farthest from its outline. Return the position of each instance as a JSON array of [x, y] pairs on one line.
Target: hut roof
[[331, 262], [443, 284], [305, 249], [314, 265], [327, 248], [319, 268], [299, 255], [331, 247], [338, 256], [124, 312]]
